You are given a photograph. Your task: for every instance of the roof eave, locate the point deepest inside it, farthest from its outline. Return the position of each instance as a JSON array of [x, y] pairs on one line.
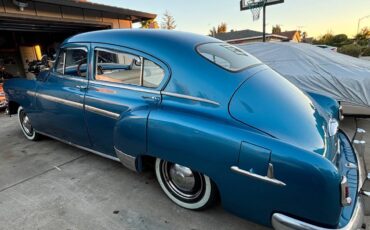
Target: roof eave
[[139, 15]]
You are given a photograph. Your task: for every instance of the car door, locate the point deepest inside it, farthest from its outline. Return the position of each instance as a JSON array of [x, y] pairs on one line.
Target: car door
[[124, 88], [60, 99]]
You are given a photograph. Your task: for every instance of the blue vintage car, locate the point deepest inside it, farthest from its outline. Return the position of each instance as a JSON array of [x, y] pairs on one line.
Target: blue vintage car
[[214, 121]]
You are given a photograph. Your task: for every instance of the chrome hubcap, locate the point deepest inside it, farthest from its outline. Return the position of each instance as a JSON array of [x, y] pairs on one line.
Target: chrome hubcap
[[26, 123], [182, 181], [182, 177]]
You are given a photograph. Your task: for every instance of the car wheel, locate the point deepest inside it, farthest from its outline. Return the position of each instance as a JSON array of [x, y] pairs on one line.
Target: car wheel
[[187, 188], [26, 125]]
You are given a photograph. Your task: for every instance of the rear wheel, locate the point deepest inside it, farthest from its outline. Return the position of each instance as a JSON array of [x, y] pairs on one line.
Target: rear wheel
[[184, 186], [26, 125]]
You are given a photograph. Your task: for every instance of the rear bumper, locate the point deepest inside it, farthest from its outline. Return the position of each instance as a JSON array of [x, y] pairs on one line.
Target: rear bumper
[[283, 222]]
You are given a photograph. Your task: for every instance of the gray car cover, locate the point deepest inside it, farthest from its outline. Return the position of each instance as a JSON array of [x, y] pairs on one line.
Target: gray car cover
[[314, 69]]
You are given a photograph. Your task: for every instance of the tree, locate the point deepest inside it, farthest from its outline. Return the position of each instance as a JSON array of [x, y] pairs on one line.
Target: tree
[[276, 29], [363, 37], [149, 24], [222, 28], [340, 40], [168, 21], [326, 39]]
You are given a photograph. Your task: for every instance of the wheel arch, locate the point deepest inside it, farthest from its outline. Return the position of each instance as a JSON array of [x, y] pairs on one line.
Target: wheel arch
[[13, 107]]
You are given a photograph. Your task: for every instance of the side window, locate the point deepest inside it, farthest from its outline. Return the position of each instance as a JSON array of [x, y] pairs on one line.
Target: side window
[[153, 74], [125, 68], [118, 67], [72, 62], [59, 67]]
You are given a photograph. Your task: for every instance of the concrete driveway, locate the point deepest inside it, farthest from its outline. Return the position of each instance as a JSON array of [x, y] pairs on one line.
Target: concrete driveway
[[50, 185]]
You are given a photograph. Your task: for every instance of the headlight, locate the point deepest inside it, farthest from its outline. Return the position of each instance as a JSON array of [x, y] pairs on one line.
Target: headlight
[[333, 127]]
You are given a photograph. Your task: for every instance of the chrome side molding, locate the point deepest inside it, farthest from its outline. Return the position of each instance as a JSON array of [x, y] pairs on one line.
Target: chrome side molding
[[183, 96], [102, 112], [269, 178], [127, 160], [61, 101]]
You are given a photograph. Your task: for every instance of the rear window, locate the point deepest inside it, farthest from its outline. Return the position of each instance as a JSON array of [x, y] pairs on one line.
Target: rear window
[[227, 56]]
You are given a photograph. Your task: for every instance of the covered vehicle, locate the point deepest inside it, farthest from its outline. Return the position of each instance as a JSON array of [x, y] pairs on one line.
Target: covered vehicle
[[214, 120], [313, 69]]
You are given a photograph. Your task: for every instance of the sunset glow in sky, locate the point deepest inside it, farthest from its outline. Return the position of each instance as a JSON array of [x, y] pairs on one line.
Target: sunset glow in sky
[[316, 17]]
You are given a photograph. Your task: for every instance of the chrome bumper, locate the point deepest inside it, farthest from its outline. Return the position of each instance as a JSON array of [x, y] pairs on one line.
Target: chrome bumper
[[283, 222]]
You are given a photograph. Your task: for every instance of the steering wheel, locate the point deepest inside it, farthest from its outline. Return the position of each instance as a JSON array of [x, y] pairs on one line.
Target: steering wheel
[[78, 69]]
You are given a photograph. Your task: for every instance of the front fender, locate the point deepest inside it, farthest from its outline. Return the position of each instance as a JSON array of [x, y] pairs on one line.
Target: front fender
[[20, 91]]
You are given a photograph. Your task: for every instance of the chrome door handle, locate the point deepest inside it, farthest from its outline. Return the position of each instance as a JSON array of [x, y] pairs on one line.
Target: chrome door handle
[[81, 87], [152, 98]]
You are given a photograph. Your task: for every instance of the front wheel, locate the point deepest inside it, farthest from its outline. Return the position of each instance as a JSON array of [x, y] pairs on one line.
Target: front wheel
[[26, 125], [187, 188]]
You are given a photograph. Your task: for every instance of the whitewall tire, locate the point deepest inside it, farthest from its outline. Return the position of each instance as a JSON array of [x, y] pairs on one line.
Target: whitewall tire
[[185, 187], [26, 126]]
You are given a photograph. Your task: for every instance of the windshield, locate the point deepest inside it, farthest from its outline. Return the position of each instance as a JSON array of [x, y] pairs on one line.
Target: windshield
[[227, 56]]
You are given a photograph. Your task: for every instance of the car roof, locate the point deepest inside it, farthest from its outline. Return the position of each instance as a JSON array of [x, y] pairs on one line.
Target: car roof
[[191, 74], [141, 37]]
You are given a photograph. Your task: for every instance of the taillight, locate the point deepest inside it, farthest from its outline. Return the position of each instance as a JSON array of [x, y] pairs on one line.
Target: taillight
[[341, 117], [346, 199]]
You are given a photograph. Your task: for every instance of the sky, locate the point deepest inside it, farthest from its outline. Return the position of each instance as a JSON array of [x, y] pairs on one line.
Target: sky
[[316, 17]]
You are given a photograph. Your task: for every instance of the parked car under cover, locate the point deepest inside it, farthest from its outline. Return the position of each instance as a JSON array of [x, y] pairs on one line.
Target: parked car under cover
[[216, 122], [314, 69]]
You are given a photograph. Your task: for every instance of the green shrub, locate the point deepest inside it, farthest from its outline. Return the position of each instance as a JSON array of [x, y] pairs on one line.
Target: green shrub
[[353, 50], [366, 52]]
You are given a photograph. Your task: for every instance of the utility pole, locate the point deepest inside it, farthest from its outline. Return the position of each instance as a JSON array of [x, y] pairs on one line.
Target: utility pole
[[264, 23]]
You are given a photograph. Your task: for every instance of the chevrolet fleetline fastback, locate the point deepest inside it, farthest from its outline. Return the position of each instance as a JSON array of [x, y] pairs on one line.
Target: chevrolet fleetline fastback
[[215, 122]]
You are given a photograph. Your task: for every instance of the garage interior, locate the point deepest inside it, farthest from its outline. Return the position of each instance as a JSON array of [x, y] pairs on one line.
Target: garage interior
[[31, 29]]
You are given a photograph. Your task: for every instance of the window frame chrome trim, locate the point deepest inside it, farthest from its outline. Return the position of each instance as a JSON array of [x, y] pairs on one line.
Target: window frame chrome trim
[[124, 49], [79, 46], [123, 86]]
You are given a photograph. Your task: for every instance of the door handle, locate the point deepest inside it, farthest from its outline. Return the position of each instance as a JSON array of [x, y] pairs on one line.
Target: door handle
[[151, 98], [81, 87]]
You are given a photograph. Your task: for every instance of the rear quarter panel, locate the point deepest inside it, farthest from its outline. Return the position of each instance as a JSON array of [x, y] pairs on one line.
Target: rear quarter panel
[[208, 140]]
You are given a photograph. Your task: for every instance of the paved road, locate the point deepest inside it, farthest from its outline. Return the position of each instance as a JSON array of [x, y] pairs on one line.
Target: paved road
[[50, 185]]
